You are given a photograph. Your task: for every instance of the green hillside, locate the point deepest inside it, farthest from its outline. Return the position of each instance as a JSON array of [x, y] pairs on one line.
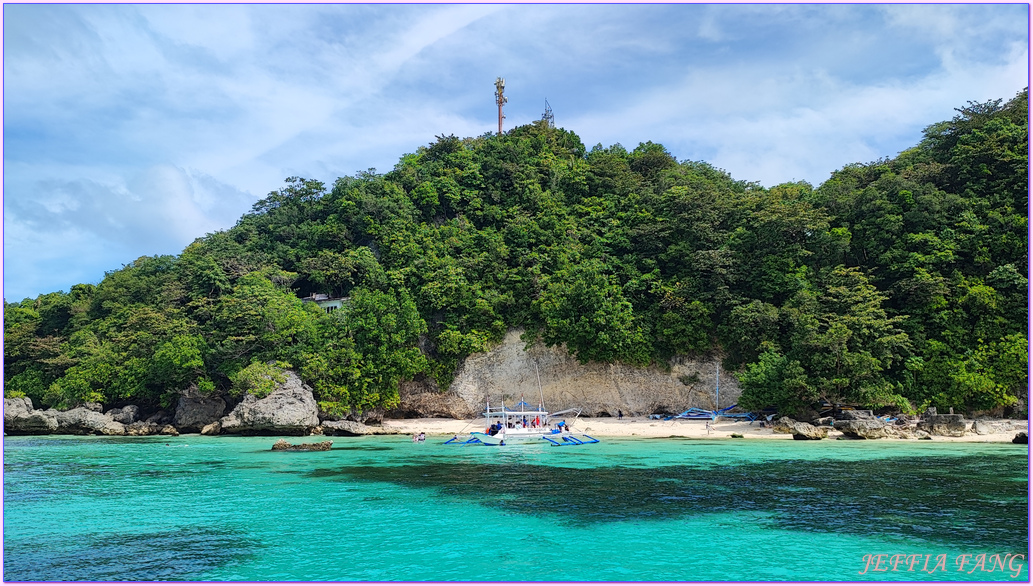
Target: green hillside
[[901, 282]]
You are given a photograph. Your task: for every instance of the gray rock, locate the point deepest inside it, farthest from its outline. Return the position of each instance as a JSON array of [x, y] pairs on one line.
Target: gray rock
[[95, 407], [20, 418], [952, 425], [856, 415], [862, 428], [989, 426], [783, 425], [346, 428], [160, 418], [806, 431], [142, 428], [902, 431], [195, 410], [125, 415], [19, 406], [289, 410], [82, 421], [214, 428], [1020, 438]]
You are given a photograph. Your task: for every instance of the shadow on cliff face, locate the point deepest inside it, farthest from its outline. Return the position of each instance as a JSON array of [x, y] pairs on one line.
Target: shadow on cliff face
[[932, 499]]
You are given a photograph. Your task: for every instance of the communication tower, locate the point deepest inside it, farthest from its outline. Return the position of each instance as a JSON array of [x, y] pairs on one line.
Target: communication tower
[[500, 85], [547, 116]]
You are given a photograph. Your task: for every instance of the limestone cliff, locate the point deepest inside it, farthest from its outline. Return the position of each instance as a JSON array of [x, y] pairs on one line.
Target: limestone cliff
[[508, 370]]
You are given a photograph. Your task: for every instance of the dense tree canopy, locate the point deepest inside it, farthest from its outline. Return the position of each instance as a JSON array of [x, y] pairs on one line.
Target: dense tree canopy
[[901, 282]]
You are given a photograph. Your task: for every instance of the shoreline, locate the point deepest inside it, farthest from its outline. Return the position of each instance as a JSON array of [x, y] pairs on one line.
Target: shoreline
[[653, 428]]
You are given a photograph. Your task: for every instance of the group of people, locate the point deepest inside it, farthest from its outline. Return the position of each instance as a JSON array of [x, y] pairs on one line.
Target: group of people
[[519, 424], [419, 437], [523, 423]]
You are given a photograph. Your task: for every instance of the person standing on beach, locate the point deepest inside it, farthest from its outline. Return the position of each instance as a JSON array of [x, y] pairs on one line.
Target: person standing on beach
[[620, 415]]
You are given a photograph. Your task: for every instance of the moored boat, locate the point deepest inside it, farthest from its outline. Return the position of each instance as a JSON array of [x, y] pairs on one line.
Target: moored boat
[[525, 424]]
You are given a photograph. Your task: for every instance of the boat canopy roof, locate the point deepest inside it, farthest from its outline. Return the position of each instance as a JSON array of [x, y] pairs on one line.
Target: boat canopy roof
[[565, 411]]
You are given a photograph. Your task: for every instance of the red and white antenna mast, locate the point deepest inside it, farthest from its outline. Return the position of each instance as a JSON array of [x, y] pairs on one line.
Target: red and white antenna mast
[[500, 85]]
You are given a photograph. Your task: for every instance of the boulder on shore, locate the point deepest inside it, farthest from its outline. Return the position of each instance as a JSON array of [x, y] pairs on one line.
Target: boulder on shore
[[856, 415], [783, 425], [289, 410], [799, 429], [21, 419], [345, 428], [124, 415], [1020, 438], [950, 424], [806, 431], [862, 428], [989, 426], [142, 428], [196, 410], [82, 421]]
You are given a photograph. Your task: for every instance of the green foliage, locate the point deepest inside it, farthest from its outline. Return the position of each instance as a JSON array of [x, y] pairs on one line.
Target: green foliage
[[365, 350], [258, 378], [584, 308], [774, 380]]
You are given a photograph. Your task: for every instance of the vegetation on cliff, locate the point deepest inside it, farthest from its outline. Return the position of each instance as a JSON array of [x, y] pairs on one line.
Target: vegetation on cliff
[[900, 282]]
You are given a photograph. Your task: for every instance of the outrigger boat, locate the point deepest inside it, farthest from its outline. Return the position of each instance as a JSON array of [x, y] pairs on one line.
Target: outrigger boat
[[524, 424]]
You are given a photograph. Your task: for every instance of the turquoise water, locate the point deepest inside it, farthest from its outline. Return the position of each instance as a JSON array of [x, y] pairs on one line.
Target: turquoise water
[[382, 508]]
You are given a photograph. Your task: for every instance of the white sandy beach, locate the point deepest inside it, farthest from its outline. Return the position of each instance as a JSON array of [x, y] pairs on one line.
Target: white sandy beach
[[645, 427]]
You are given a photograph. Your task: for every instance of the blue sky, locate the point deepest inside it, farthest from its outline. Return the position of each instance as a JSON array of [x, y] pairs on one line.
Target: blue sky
[[130, 130]]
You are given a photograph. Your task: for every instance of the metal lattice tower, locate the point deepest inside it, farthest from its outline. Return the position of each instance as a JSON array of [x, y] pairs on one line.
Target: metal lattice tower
[[500, 86], [547, 116]]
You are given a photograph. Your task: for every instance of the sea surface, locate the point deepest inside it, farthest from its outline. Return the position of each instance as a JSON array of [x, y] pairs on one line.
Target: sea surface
[[195, 508]]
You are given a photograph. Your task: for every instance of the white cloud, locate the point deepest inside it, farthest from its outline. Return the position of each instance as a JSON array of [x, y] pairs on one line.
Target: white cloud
[[132, 129]]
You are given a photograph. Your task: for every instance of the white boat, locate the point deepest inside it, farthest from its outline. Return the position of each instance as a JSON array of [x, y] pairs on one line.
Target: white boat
[[523, 424]]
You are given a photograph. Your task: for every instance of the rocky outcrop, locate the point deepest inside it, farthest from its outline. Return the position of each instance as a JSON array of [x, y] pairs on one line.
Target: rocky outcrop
[[799, 429], [423, 398], [21, 419], [142, 428], [289, 410], [508, 370], [1020, 438], [195, 410], [862, 428], [214, 428], [124, 415], [990, 426], [856, 414], [783, 425], [82, 421], [951, 425], [806, 431], [284, 446], [345, 428], [160, 418]]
